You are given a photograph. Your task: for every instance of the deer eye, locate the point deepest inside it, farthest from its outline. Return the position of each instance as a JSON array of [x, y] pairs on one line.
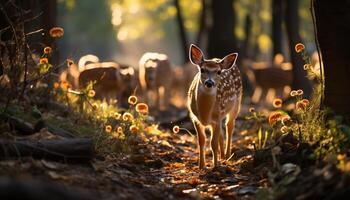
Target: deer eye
[[219, 72]]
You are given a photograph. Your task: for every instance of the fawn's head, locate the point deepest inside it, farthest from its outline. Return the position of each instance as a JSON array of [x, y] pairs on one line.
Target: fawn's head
[[210, 70]]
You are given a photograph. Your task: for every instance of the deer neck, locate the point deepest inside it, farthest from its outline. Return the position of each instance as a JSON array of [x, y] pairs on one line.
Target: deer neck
[[205, 99]]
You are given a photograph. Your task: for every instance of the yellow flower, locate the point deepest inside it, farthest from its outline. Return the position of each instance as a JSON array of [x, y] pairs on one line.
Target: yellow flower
[[299, 47], [44, 61], [305, 101], [251, 109], [108, 128], [91, 93], [284, 129], [119, 129], [275, 117], [293, 93], [142, 108], [117, 115], [286, 121], [69, 62], [95, 106], [47, 50], [300, 106], [306, 66], [132, 100], [56, 32], [56, 85], [127, 116], [133, 129], [300, 92], [277, 103], [176, 129]]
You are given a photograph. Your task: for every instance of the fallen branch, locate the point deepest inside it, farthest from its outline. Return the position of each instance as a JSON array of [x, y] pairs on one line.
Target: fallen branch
[[68, 150]]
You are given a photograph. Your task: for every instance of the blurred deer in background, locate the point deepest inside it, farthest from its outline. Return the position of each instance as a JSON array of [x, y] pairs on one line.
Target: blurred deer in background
[[71, 74], [155, 76], [269, 79], [215, 93]]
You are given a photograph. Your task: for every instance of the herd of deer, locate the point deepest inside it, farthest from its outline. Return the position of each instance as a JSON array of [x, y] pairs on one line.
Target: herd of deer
[[214, 95]]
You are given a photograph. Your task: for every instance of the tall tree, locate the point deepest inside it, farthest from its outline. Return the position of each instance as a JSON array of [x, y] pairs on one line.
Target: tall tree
[[332, 26], [182, 32], [222, 39], [202, 24], [292, 25], [277, 19]]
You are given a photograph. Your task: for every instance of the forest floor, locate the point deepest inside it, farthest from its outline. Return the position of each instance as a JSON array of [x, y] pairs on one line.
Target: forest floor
[[164, 166]]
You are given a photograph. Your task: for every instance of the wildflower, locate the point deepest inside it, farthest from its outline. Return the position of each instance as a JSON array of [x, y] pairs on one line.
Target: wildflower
[[47, 50], [300, 106], [286, 120], [133, 129], [275, 117], [293, 93], [64, 84], [305, 101], [91, 93], [299, 47], [251, 109], [117, 115], [127, 116], [56, 32], [95, 106], [284, 129], [44, 61], [300, 92], [69, 62], [176, 129], [108, 128], [120, 129], [132, 100], [277, 103], [306, 66], [142, 108], [56, 85], [341, 157]]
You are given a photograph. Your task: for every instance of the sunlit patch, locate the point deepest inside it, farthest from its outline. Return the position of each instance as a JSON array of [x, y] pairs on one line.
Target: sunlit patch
[[56, 32]]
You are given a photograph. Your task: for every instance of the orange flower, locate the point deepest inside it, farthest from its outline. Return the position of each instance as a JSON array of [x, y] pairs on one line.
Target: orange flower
[[305, 101], [176, 129], [300, 106], [56, 85], [117, 115], [47, 50], [251, 109], [300, 92], [293, 93], [56, 32], [277, 103], [299, 47], [132, 100], [284, 129], [127, 116], [64, 84], [275, 117], [108, 128], [91, 93], [133, 129], [44, 61], [286, 121], [142, 108], [69, 62], [119, 129]]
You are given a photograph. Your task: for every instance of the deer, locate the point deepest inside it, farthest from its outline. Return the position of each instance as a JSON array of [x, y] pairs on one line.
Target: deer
[[215, 94], [155, 76]]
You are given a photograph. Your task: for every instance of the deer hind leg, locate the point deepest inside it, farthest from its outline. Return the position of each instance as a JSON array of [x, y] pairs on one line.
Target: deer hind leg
[[230, 125], [215, 138], [222, 145], [201, 143]]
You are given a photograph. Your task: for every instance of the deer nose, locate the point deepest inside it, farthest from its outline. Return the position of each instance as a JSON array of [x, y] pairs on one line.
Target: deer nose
[[209, 83]]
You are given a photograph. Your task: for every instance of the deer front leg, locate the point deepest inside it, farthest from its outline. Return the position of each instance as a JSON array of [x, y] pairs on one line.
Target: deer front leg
[[201, 143], [221, 145], [230, 125], [215, 137]]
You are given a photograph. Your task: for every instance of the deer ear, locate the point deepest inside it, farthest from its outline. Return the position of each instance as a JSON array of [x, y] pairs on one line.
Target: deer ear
[[196, 55], [228, 61]]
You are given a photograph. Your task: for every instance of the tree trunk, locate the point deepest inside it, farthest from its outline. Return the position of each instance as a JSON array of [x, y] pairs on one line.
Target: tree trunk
[[202, 24], [332, 25], [277, 17], [182, 31], [248, 35], [292, 24], [222, 40]]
